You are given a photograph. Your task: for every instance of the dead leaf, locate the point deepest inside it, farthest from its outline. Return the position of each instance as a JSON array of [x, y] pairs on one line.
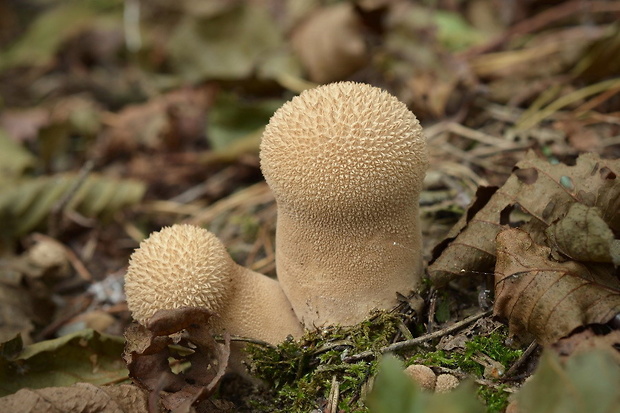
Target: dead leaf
[[546, 298], [85, 356], [583, 235], [537, 190], [165, 123], [330, 43], [586, 341], [81, 397], [148, 350]]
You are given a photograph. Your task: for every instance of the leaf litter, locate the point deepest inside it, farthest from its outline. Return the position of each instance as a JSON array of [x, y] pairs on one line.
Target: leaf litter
[[487, 84]]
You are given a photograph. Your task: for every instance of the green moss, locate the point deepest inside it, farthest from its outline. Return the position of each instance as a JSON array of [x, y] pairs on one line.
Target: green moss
[[301, 373], [469, 360], [492, 346], [495, 398]]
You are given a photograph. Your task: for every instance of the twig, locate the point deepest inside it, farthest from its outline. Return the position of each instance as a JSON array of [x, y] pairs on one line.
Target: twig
[[262, 343], [58, 208], [526, 354], [401, 345], [334, 395]]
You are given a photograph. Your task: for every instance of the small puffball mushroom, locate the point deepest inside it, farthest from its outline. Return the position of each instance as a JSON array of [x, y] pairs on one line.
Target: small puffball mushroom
[[345, 162], [446, 383], [422, 375], [187, 266]]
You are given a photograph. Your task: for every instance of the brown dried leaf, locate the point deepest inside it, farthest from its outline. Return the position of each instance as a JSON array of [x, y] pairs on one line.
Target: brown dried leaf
[[586, 341], [81, 397], [546, 298], [331, 43], [164, 123], [583, 235], [537, 190], [147, 352]]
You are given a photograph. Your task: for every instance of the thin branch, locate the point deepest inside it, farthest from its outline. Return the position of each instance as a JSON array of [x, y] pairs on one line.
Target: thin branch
[[401, 345], [57, 210], [246, 340], [526, 354]]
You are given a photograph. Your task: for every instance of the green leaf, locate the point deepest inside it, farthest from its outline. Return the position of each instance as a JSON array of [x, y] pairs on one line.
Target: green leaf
[[454, 32], [14, 159], [393, 392], [25, 205], [230, 45], [232, 119], [588, 382], [53, 27], [84, 356]]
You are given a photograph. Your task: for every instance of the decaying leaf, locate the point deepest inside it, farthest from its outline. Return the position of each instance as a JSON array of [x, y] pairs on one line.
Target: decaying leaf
[[148, 350], [26, 283], [586, 341], [330, 43], [85, 356], [168, 122], [81, 397], [583, 235], [586, 383], [546, 298], [539, 191]]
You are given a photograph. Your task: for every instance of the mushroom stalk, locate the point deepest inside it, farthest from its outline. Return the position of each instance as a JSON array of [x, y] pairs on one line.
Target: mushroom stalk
[[346, 163], [187, 266]]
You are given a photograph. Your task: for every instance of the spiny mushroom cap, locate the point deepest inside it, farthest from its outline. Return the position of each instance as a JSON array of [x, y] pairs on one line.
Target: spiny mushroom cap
[[179, 266], [344, 149]]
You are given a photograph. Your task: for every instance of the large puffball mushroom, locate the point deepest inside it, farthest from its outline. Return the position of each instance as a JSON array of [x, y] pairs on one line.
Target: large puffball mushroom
[[187, 266], [345, 162]]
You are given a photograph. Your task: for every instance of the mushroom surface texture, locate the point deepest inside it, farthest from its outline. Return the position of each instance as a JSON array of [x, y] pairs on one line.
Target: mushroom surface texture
[[446, 383], [346, 162], [422, 375], [187, 266]]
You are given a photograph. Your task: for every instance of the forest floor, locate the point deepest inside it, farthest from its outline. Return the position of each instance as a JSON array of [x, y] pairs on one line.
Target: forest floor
[[118, 118]]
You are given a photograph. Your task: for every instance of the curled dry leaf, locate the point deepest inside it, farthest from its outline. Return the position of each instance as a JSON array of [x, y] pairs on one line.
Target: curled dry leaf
[[147, 352], [583, 235], [539, 191], [546, 298], [81, 397]]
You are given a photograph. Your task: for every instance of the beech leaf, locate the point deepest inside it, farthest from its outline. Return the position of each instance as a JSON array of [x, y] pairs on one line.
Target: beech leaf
[[546, 298], [81, 397], [537, 190], [582, 235]]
